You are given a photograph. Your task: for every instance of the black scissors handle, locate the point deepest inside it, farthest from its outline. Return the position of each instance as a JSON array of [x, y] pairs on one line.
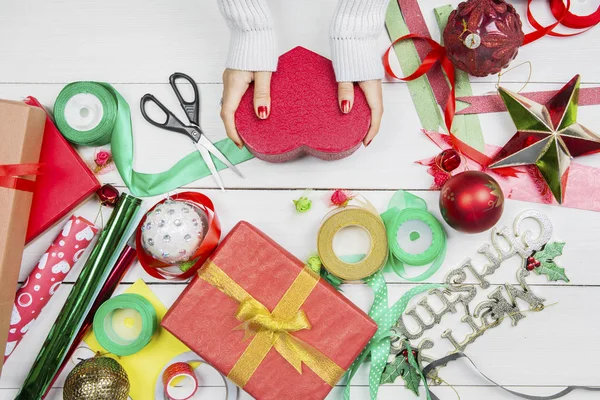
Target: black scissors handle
[[172, 123], [191, 108]]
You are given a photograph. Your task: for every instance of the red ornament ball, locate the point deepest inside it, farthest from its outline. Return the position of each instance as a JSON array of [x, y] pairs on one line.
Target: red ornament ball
[[483, 36], [471, 202], [448, 160]]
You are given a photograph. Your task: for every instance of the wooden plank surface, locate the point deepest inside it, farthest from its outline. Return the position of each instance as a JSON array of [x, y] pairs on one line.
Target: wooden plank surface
[[137, 44]]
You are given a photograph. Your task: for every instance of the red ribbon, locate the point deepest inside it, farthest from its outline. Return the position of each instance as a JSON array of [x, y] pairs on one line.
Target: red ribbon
[[11, 176], [564, 17], [161, 270], [438, 53]]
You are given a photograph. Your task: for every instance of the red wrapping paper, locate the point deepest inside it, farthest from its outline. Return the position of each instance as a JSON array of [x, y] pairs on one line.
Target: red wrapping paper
[[203, 317], [46, 277]]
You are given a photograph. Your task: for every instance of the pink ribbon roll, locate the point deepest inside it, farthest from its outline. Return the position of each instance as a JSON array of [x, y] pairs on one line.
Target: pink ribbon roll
[[46, 277]]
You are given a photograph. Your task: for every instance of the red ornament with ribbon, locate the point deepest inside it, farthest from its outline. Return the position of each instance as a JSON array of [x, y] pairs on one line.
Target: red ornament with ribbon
[[177, 235]]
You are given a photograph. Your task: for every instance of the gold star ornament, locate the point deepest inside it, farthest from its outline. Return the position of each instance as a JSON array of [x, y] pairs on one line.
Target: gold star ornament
[[548, 136]]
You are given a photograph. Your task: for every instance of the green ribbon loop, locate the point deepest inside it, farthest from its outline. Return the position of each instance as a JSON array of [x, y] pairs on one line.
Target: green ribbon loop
[[187, 170], [404, 207], [379, 346]]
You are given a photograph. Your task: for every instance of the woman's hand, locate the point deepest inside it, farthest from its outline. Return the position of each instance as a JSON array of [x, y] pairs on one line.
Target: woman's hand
[[373, 92], [235, 84]]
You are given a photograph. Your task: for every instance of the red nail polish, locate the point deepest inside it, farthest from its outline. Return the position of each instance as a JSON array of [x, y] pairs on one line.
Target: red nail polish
[[263, 112], [345, 106], [368, 143]]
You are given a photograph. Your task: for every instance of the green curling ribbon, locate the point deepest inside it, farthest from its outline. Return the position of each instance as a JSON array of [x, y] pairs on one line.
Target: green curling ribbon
[[379, 346], [404, 207], [104, 111], [116, 119], [104, 324]]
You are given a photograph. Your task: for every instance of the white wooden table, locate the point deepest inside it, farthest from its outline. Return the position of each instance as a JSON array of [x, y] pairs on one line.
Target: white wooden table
[[137, 44]]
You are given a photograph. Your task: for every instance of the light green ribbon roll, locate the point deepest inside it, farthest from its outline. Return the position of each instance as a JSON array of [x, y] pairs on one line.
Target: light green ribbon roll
[[104, 328], [404, 207], [117, 116]]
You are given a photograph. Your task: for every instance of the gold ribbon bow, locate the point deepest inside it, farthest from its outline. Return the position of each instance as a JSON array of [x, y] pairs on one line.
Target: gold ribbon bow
[[273, 329]]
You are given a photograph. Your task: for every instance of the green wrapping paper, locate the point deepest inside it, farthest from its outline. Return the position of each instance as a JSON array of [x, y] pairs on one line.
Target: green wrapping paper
[[97, 268]]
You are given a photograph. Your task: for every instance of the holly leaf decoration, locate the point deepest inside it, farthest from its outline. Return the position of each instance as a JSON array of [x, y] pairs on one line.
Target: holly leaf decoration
[[412, 380], [400, 367], [547, 265], [333, 280], [393, 370]]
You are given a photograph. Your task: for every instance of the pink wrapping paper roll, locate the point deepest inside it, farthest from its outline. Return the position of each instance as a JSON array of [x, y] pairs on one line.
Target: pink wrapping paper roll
[[47, 276]]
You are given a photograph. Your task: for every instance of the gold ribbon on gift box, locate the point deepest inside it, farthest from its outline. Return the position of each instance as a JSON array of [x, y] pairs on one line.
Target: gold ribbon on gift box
[[273, 329]]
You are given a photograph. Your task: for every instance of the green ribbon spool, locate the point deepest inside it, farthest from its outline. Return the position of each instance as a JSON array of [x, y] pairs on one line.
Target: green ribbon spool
[[104, 329], [404, 207], [85, 113], [115, 128]]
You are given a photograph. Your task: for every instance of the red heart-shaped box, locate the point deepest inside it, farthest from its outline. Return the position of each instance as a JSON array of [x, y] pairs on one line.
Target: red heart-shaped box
[[305, 117]]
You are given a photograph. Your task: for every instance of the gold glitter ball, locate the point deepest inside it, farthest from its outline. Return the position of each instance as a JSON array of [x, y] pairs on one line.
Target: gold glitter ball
[[98, 378]]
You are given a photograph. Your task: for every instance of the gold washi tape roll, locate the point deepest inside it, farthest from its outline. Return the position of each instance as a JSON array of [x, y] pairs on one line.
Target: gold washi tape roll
[[376, 257]]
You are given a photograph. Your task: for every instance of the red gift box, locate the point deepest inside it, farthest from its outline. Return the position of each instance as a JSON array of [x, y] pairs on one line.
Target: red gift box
[[214, 321], [65, 183]]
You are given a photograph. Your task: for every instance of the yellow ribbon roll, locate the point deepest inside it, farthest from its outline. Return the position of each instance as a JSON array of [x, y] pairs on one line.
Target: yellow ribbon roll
[[376, 257]]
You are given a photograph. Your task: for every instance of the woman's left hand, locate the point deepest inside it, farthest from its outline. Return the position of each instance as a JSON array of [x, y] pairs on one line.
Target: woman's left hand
[[373, 92]]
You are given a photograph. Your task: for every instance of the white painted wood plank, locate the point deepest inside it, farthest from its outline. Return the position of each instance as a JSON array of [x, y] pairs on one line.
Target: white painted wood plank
[[274, 213], [388, 163], [528, 354], [143, 41], [361, 392]]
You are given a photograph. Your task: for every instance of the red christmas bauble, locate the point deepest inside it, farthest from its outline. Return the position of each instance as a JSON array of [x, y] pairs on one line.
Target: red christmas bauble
[[483, 36], [471, 202], [448, 160]]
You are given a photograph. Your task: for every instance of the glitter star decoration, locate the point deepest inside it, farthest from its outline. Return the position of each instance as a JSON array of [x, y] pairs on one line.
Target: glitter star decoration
[[548, 136]]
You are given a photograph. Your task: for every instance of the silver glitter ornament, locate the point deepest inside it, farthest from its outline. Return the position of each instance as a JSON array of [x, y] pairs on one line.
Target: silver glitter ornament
[[174, 231]]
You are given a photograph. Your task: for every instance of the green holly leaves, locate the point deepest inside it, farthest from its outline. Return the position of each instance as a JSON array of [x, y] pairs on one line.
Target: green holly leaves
[[547, 265], [401, 367]]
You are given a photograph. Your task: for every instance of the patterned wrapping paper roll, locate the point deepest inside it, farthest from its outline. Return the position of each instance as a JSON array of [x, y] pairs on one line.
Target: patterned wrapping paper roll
[[45, 278]]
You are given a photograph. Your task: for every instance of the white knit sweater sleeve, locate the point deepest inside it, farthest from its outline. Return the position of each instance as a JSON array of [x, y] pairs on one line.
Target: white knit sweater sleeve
[[354, 31], [253, 45]]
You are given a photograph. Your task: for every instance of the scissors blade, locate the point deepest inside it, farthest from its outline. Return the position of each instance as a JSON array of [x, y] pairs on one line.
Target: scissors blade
[[220, 156], [209, 162]]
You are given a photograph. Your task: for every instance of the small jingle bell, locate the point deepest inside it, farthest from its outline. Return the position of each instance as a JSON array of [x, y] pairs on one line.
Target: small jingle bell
[[108, 195], [448, 160]]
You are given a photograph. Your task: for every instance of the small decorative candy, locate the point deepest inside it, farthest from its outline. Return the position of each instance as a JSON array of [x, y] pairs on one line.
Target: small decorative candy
[[173, 231], [303, 204], [108, 195], [340, 197]]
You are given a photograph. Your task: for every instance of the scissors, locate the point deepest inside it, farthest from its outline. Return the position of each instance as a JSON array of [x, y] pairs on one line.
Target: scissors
[[193, 131]]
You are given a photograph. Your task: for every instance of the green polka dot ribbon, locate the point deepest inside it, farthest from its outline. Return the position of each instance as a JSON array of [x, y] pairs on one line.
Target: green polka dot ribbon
[[379, 346], [405, 207]]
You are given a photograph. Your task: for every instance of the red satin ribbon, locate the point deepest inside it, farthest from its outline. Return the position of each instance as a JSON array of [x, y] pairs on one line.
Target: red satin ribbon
[[438, 53], [158, 269], [11, 176], [563, 16]]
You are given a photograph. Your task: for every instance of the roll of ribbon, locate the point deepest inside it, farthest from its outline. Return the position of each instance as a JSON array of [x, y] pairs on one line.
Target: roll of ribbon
[[187, 386], [85, 113], [125, 324], [353, 216], [415, 236], [159, 269], [231, 391]]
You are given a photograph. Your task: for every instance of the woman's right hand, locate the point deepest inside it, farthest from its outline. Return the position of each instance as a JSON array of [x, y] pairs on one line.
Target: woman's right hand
[[235, 84]]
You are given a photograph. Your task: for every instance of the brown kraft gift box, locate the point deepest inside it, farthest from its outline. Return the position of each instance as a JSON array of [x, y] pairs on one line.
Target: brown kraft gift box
[[21, 133]]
